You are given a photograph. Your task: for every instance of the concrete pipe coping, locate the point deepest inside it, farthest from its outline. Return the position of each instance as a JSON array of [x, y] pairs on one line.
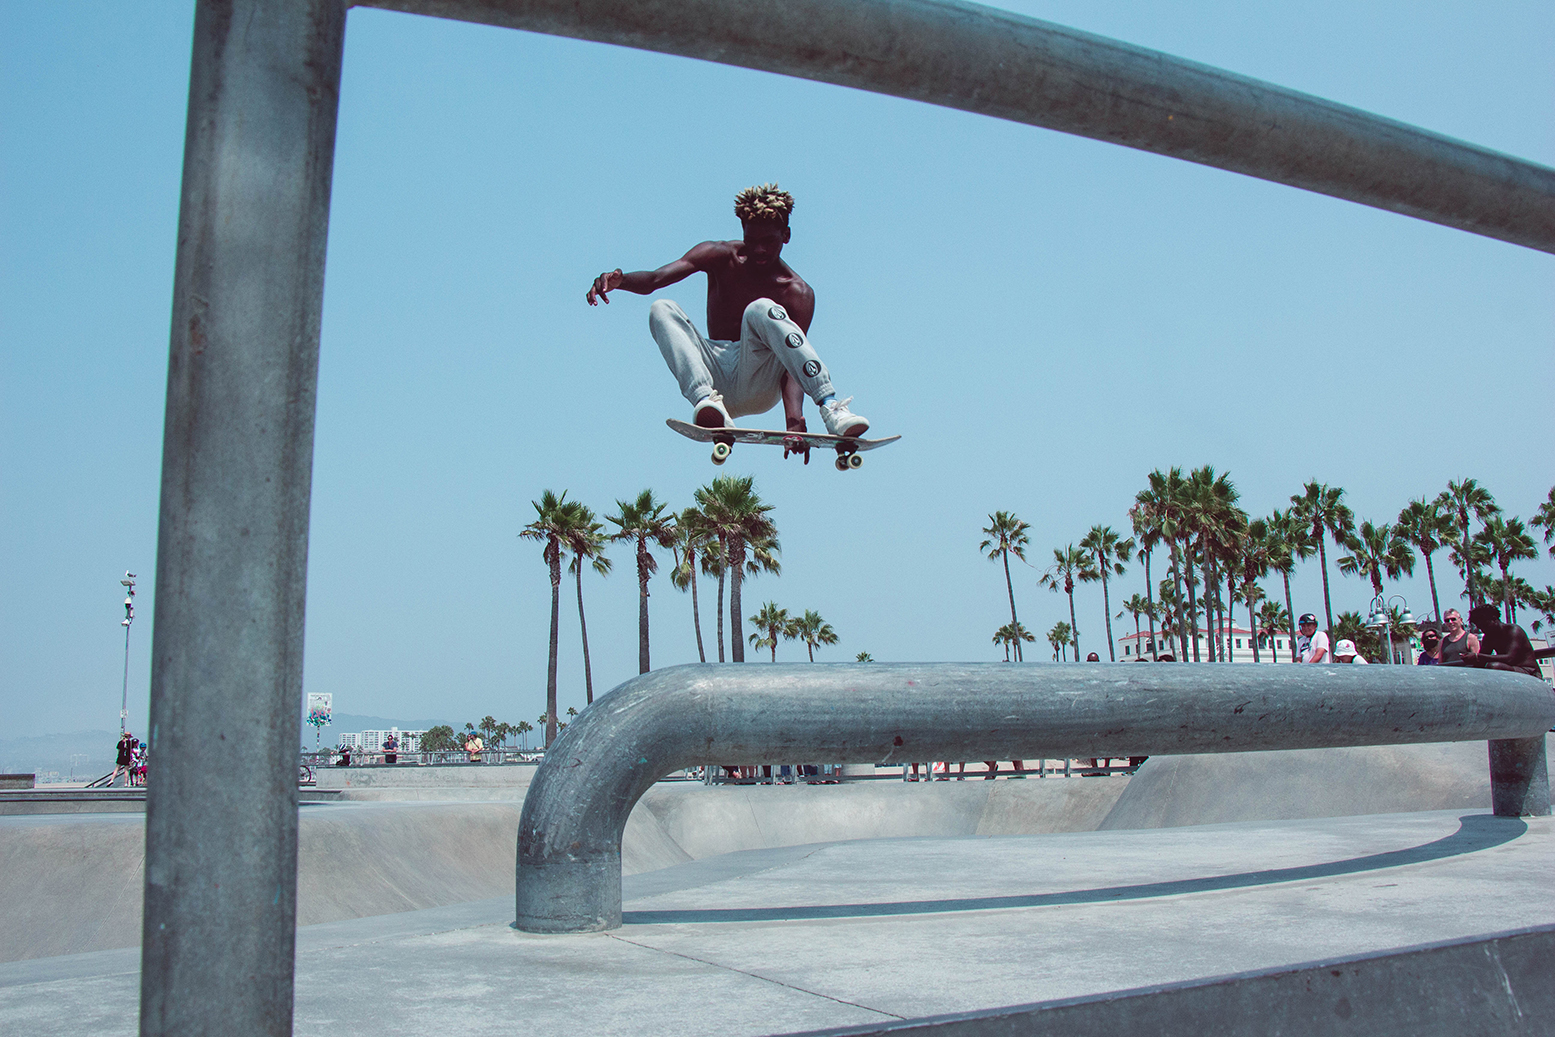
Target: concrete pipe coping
[[569, 839]]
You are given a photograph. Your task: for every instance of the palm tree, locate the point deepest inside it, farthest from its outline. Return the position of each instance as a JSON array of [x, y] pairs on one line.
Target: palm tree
[[1507, 541], [737, 516], [1012, 635], [1323, 510], [1059, 637], [1252, 565], [523, 727], [814, 631], [1069, 565], [1137, 606], [644, 523], [1207, 503], [1544, 517], [1006, 536], [1272, 618], [1458, 502], [1426, 529], [551, 527], [1288, 544], [1111, 551], [770, 623], [864, 657], [691, 541], [1377, 551], [1144, 517], [586, 539]]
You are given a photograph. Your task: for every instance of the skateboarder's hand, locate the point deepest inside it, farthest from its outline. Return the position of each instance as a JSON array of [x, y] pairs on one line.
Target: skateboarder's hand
[[795, 445], [606, 282]]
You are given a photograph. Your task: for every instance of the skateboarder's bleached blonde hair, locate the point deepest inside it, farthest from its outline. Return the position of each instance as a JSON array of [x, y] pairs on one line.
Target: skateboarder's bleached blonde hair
[[764, 202]]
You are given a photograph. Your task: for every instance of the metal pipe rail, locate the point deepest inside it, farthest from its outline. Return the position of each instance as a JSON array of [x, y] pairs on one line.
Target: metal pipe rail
[[569, 837], [994, 62]]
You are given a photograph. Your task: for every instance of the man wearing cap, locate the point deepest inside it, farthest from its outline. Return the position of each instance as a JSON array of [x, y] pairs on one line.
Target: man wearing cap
[[1430, 644], [1344, 652], [1311, 643]]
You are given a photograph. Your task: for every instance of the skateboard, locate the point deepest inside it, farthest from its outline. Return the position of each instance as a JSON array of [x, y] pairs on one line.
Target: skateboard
[[723, 440]]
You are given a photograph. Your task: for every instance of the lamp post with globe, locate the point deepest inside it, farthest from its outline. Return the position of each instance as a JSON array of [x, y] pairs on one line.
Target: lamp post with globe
[[1382, 619], [128, 583]]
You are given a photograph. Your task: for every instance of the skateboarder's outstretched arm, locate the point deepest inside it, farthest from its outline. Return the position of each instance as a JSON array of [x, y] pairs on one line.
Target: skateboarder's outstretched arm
[[646, 282]]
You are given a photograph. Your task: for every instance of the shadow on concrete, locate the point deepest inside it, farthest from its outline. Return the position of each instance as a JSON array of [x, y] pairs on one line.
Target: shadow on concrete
[[1475, 832]]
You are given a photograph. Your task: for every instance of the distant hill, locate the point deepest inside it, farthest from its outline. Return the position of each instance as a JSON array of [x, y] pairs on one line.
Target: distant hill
[[91, 753]]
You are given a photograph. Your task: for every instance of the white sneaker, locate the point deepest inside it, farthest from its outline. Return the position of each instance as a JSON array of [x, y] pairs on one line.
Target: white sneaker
[[710, 413], [842, 422]]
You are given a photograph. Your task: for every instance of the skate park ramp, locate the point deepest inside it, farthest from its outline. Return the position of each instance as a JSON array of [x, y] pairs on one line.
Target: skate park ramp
[[73, 882]]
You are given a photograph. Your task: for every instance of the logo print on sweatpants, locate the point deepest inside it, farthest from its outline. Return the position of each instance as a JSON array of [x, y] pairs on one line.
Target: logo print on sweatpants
[[777, 313], [812, 368], [794, 340]]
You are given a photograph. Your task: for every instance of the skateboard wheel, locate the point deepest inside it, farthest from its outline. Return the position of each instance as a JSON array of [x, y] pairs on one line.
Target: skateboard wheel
[[842, 463], [855, 461], [721, 452]]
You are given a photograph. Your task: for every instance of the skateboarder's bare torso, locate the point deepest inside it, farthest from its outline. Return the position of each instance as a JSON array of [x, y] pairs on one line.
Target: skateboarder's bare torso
[[738, 273]]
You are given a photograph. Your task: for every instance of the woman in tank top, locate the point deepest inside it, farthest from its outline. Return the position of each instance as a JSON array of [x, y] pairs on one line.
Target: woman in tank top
[[1456, 640]]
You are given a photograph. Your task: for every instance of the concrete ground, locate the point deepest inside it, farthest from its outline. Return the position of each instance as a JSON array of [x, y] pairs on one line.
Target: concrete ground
[[72, 882], [796, 938]]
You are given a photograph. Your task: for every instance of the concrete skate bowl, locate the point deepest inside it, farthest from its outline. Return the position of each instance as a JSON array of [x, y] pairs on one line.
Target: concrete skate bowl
[[73, 882]]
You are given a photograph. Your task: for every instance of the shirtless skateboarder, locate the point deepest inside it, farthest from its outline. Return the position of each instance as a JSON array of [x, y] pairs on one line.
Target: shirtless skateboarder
[[757, 347]]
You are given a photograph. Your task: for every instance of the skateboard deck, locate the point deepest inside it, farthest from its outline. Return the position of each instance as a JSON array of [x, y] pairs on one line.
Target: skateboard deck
[[723, 440]]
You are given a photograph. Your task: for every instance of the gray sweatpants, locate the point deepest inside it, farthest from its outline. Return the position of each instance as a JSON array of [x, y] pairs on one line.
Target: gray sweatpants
[[748, 374]]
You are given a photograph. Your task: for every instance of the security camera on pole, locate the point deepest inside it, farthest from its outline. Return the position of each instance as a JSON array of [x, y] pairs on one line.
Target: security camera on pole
[[129, 617]]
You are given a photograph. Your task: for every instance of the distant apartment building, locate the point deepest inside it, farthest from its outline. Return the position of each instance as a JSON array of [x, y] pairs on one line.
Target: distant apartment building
[[372, 741], [1238, 642]]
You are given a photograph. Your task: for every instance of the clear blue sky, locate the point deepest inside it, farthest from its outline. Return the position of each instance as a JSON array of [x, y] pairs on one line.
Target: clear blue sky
[[1044, 319]]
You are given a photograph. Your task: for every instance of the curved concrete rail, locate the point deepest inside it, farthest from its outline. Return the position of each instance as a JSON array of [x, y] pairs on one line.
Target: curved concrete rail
[[569, 838], [998, 63]]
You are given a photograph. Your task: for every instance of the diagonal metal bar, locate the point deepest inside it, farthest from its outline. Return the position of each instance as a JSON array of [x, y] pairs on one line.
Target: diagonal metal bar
[[981, 59], [569, 837]]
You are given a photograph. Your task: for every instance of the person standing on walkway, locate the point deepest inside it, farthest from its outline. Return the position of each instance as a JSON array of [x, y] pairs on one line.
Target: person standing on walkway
[[124, 760], [1344, 652]]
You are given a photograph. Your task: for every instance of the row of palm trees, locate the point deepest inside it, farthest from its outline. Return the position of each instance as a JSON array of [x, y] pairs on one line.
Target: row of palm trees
[[728, 534], [773, 622], [1210, 544]]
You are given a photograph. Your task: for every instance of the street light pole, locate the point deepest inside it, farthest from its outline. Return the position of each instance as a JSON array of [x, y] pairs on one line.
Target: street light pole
[[1381, 617], [129, 617]]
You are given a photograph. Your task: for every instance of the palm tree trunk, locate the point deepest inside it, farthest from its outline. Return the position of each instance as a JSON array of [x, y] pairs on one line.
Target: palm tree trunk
[[1328, 609], [1074, 627], [773, 635], [642, 606], [1150, 599], [1106, 601], [1436, 608], [1193, 615], [736, 567], [550, 670], [588, 677], [1290, 635], [721, 573], [1009, 586], [1252, 626], [1229, 615], [811, 649], [696, 616], [1211, 592], [1182, 626]]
